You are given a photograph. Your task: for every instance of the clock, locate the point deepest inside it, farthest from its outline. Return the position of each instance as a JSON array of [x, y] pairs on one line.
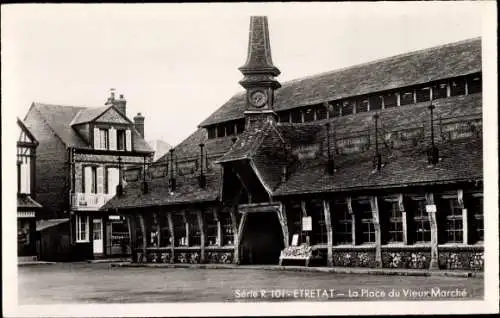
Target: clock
[[258, 98]]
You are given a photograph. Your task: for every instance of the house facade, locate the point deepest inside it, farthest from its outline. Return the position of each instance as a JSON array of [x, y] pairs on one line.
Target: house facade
[[27, 207], [81, 152], [374, 165]]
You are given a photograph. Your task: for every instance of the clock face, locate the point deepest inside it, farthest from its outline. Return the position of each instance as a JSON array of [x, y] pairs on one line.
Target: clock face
[[258, 98]]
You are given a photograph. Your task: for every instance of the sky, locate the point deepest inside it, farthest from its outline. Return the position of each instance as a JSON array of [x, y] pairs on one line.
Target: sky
[[177, 63]]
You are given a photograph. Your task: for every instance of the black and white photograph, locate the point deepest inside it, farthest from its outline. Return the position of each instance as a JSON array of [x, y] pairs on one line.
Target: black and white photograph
[[249, 159]]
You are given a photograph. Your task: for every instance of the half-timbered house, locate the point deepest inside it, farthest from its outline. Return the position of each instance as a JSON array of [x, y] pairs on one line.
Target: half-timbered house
[[79, 158], [374, 165]]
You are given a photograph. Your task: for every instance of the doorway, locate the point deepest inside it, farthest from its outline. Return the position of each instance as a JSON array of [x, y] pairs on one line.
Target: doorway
[[97, 236], [262, 239]]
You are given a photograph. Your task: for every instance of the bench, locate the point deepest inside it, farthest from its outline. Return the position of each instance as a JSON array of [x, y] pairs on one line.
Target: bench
[[302, 252]]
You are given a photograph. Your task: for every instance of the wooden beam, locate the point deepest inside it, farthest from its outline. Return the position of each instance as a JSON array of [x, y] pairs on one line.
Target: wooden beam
[[132, 236], [403, 218], [378, 233], [348, 200], [303, 208], [144, 235], [244, 186], [186, 225], [243, 222], [199, 216], [172, 235], [465, 227], [434, 263], [281, 212], [329, 232], [219, 227]]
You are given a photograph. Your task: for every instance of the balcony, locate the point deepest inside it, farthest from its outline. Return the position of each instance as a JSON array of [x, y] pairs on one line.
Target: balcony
[[89, 201]]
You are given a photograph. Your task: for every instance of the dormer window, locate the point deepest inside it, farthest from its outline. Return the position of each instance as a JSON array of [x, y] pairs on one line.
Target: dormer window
[[112, 139]]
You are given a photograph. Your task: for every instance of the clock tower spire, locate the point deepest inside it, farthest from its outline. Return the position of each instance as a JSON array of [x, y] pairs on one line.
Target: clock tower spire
[[259, 75]]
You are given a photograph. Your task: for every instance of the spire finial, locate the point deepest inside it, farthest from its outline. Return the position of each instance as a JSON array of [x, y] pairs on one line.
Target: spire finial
[[259, 58]]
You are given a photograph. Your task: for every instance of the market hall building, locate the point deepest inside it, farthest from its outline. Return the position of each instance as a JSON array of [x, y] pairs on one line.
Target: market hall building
[[375, 165]]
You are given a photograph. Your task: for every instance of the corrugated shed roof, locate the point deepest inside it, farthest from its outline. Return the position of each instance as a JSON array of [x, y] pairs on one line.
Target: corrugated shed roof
[[46, 224], [450, 60], [60, 118]]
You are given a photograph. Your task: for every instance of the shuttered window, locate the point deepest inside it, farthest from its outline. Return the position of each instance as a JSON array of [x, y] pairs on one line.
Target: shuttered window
[[112, 139], [128, 140]]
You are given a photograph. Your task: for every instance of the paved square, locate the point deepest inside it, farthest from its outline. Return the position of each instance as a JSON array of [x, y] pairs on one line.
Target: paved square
[[101, 283]]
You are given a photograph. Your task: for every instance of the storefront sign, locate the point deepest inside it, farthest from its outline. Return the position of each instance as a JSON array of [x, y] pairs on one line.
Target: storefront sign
[[114, 217], [307, 223], [430, 208]]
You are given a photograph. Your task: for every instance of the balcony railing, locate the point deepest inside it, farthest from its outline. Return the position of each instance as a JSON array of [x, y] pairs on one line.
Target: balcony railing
[[89, 201]]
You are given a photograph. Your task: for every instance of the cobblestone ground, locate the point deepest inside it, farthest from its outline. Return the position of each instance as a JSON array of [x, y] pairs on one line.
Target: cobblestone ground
[[100, 283]]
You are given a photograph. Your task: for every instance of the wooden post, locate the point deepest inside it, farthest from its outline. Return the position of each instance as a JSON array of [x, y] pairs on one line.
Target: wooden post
[[329, 233], [144, 235], [186, 225], [465, 227], [403, 218], [234, 222], [304, 214], [240, 236], [199, 216], [156, 222], [378, 233], [172, 235], [281, 212], [353, 219], [132, 237], [434, 263], [219, 227]]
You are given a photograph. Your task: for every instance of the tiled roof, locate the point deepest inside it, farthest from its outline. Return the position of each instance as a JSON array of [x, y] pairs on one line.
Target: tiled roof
[[187, 191], [24, 201], [60, 119], [461, 161], [446, 61], [246, 145], [88, 114]]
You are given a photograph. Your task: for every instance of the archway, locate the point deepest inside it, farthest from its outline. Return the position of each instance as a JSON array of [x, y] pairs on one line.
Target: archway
[[262, 239]]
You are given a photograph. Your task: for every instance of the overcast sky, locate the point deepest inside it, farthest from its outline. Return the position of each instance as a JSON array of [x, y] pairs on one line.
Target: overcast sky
[[177, 63]]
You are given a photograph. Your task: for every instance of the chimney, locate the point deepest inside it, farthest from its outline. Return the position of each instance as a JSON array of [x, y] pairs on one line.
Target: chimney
[[377, 160], [202, 178], [172, 178], [331, 163], [284, 174], [119, 187], [433, 151], [139, 123], [120, 103]]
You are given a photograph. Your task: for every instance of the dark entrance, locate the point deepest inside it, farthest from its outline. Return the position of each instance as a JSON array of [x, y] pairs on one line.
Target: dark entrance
[[262, 239]]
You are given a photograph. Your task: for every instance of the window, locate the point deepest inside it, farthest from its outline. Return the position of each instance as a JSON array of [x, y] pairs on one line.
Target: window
[[320, 112], [240, 126], [422, 222], [230, 129], [375, 102], [476, 212], [364, 211], [120, 139], [406, 97], [457, 87], [453, 222], [179, 229], [227, 229], [194, 229], [362, 106], [211, 132], [284, 117], [395, 223], [119, 235], [82, 228], [474, 84], [315, 210], [165, 237], [294, 216], [347, 107], [221, 131], [211, 228], [112, 180], [423, 94], [335, 109], [440, 90], [296, 116], [103, 138], [390, 100], [343, 223], [24, 167], [308, 114]]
